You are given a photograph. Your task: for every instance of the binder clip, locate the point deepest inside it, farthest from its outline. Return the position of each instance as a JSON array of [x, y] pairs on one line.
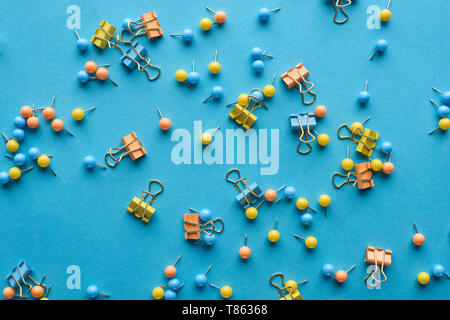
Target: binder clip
[[368, 138], [136, 56], [362, 177], [193, 228], [297, 77], [103, 35], [148, 24], [338, 4], [17, 279], [304, 123], [380, 258], [247, 196], [141, 208], [289, 289], [133, 148], [242, 112]]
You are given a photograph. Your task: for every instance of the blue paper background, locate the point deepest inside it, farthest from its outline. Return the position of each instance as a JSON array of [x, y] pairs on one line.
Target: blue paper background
[[79, 217]]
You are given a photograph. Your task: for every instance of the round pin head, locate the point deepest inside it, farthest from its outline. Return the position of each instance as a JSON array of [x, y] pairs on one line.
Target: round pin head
[[18, 134], [446, 98], [206, 138], [291, 286], [82, 76], [170, 271], [217, 92], [320, 111], [256, 53], [4, 177], [193, 78], [423, 278], [438, 270], [12, 145], [357, 126], [187, 35], [205, 24], [347, 164], [243, 99], [327, 270], [48, 113], [181, 75], [386, 147], [310, 242], [102, 73], [200, 280], [78, 114], [258, 66], [376, 164], [301, 203], [165, 124], [306, 219], [263, 15], [226, 292], [323, 139], [32, 122], [57, 125], [220, 16], [418, 239], [92, 291], [26, 112], [19, 122], [34, 153], [443, 111], [205, 215], [251, 213], [245, 252], [388, 167], [158, 293], [9, 293], [341, 276], [126, 23], [273, 236], [209, 240], [381, 45], [90, 67], [444, 123], [324, 200], [82, 44], [170, 295], [174, 284], [20, 159], [385, 15], [89, 162], [258, 94], [289, 192], [37, 292], [43, 161], [214, 67], [363, 97], [270, 195], [269, 91]]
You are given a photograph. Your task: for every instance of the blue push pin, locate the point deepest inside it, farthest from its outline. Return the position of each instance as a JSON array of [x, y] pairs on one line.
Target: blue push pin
[[4, 177], [386, 147], [34, 153], [257, 93], [439, 271], [174, 284], [216, 93], [364, 96], [200, 279], [19, 159], [258, 54], [18, 134], [306, 219], [327, 270], [289, 193], [92, 292], [264, 14], [258, 66], [90, 161], [170, 295], [443, 111], [20, 122], [193, 77], [209, 239], [82, 76], [445, 96], [187, 36], [82, 44], [205, 215], [380, 47]]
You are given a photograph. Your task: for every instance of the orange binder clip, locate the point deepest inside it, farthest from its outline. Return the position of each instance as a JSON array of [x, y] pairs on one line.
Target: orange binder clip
[[379, 258], [133, 148], [148, 24], [297, 77], [362, 177], [193, 228]]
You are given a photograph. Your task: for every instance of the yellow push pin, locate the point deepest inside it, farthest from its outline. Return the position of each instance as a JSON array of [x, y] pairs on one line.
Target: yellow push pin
[[310, 242], [292, 285], [324, 201], [444, 124], [205, 24], [423, 278], [386, 14], [274, 235], [15, 173], [78, 113], [225, 291], [43, 161], [347, 163], [206, 137], [269, 90], [358, 126], [214, 66], [252, 212], [158, 292], [376, 164], [11, 144]]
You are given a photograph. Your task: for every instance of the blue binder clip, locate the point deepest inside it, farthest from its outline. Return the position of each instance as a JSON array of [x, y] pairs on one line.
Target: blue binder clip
[[136, 56], [247, 196], [18, 278], [305, 123]]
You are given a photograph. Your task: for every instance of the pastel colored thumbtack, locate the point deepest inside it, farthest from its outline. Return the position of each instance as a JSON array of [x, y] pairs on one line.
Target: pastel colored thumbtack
[[306, 219], [58, 125], [170, 271], [443, 111], [90, 162], [37, 291], [19, 122], [214, 66], [376, 165], [386, 147], [34, 153], [245, 252], [93, 292], [289, 193], [181, 75], [4, 177], [445, 96], [78, 113], [269, 89], [225, 291], [418, 238], [9, 293], [325, 201], [206, 137], [216, 93], [273, 234], [271, 194], [27, 111], [11, 144], [323, 139], [15, 173], [386, 14], [364, 96], [327, 270], [193, 77], [186, 35], [19, 159], [43, 161], [174, 284], [18, 134], [444, 124], [310, 242], [251, 213], [158, 293], [264, 14], [82, 44], [423, 278], [258, 54], [164, 123], [200, 279], [388, 166], [48, 112], [320, 111], [439, 271], [347, 163], [219, 16], [341, 276], [380, 47], [205, 24], [209, 240]]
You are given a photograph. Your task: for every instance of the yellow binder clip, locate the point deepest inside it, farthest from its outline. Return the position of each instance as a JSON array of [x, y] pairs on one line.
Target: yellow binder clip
[[289, 289], [242, 112], [103, 34], [141, 208], [133, 148], [380, 258], [368, 138]]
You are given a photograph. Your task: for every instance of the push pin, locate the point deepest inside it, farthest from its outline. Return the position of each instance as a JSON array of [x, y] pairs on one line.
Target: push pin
[[216, 93], [252, 212], [48, 112], [174, 284], [289, 289], [324, 201], [78, 113], [310, 242], [19, 158], [58, 125], [187, 35], [444, 95], [133, 148], [34, 153], [90, 162], [273, 234], [364, 96], [386, 14], [269, 89], [225, 291], [181, 76], [257, 55], [101, 73], [93, 293], [193, 77], [158, 292], [380, 47], [206, 24], [219, 16], [15, 173], [214, 66], [320, 111], [82, 44], [386, 147], [328, 270], [27, 111], [443, 111], [444, 124], [11, 144], [289, 193], [206, 137], [341, 276], [19, 122], [418, 238], [43, 161], [271, 194], [439, 271], [200, 279], [170, 271], [264, 14], [164, 123], [376, 165], [347, 163], [171, 294], [245, 252], [4, 177], [423, 278], [303, 204], [306, 218], [388, 166], [18, 134]]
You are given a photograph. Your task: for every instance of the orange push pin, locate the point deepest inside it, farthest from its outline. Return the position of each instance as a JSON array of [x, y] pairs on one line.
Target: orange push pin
[[388, 166], [49, 112], [92, 67], [58, 125], [418, 239], [271, 194], [341, 276], [164, 123], [103, 74], [219, 16], [171, 271], [245, 252], [27, 111]]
